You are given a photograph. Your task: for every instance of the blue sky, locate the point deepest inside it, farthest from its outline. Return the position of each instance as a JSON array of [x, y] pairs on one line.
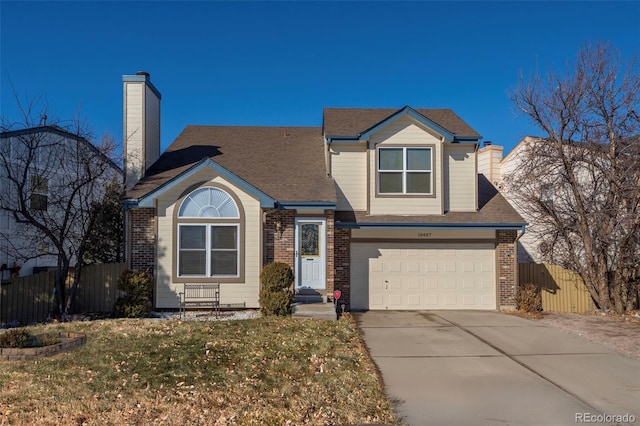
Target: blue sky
[[280, 63]]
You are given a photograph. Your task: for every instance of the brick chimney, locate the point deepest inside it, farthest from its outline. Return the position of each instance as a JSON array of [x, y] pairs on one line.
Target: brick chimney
[[141, 126]]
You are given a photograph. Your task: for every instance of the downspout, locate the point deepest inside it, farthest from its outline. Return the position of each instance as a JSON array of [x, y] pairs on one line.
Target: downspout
[[515, 258]]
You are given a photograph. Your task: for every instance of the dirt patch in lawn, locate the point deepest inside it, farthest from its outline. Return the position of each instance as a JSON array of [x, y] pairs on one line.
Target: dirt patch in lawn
[[620, 333]]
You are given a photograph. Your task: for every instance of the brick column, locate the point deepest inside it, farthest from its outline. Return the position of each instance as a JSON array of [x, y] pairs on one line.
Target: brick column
[[506, 253], [342, 264], [142, 224], [330, 264]]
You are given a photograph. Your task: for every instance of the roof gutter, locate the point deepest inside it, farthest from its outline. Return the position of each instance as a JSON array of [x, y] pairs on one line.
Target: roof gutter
[[305, 205], [469, 226]]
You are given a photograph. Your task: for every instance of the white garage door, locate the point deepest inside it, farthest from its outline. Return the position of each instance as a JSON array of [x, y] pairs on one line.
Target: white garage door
[[422, 276]]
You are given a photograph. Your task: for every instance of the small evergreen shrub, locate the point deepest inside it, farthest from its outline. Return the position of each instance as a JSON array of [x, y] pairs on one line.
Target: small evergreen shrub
[[529, 298], [276, 276], [137, 289], [276, 297]]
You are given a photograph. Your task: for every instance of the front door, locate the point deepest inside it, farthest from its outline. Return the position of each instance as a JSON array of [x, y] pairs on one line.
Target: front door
[[310, 253]]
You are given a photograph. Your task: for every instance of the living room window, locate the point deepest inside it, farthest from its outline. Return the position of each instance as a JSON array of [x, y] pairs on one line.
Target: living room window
[[404, 170], [208, 235]]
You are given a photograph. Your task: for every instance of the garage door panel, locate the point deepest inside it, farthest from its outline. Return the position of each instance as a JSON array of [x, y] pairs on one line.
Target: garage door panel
[[423, 276], [431, 266]]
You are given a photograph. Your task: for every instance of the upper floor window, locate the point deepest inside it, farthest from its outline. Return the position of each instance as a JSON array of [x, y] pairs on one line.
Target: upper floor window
[[404, 170], [208, 248], [38, 199], [547, 194]]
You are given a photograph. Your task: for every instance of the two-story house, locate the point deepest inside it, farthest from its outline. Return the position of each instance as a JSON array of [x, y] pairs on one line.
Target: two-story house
[[385, 205], [58, 174]]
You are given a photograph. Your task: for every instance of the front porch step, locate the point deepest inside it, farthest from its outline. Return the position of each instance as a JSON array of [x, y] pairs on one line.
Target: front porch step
[[325, 311], [308, 295]]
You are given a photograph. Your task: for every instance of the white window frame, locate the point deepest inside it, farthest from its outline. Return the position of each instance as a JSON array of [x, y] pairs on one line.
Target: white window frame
[[405, 170], [208, 273]]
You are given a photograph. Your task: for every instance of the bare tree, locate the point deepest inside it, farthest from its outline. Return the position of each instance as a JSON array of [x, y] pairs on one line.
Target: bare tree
[[579, 184], [52, 178]]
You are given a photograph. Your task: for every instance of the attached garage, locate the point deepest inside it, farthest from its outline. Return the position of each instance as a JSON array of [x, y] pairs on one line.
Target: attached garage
[[423, 275]]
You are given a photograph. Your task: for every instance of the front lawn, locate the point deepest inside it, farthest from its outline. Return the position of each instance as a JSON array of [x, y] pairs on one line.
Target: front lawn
[[266, 371]]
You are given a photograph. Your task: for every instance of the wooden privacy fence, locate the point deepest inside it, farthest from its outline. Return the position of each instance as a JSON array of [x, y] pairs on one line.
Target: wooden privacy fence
[[562, 290], [31, 298]]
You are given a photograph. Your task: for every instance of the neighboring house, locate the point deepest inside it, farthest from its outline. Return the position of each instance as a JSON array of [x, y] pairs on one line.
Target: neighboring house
[[385, 205], [35, 155], [497, 167]]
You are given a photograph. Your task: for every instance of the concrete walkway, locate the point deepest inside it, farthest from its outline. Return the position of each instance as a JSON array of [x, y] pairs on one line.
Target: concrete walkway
[[319, 310], [488, 368]]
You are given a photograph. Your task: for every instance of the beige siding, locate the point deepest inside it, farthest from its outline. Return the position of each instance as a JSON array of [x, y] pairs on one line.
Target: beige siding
[[230, 293], [405, 132], [349, 170], [489, 159], [133, 132], [459, 178], [152, 127]]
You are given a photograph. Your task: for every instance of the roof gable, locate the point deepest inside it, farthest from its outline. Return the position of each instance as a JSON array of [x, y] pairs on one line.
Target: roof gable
[[60, 132], [147, 200], [359, 123]]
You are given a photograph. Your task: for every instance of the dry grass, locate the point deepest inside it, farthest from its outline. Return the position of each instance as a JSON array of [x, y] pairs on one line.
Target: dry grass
[[267, 371]]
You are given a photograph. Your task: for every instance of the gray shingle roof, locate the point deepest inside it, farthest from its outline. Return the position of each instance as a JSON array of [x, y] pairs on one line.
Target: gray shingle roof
[[286, 163], [492, 209], [352, 121]]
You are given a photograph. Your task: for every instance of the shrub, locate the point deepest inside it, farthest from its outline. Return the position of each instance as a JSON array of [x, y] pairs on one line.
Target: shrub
[[137, 287], [16, 338], [529, 298], [276, 297], [21, 338], [276, 276]]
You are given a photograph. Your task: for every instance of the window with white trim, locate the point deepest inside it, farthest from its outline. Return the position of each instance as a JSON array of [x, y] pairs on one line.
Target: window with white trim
[[405, 170], [208, 249]]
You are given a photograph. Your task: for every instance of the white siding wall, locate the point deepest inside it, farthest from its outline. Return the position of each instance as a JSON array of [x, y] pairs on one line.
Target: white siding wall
[[459, 177], [246, 292], [405, 131], [349, 170], [152, 127]]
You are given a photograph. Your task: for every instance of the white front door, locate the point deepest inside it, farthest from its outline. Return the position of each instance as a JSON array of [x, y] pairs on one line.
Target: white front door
[[310, 253]]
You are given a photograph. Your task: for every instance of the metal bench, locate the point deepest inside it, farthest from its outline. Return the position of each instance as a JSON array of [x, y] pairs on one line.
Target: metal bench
[[200, 295]]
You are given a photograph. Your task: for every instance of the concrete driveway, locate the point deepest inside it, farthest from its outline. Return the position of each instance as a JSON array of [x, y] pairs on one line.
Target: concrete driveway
[[488, 368]]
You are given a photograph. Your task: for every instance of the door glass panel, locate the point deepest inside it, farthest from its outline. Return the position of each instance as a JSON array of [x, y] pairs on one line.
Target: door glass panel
[[309, 241]]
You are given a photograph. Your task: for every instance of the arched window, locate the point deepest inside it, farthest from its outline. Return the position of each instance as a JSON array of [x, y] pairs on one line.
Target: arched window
[[208, 235], [209, 202]]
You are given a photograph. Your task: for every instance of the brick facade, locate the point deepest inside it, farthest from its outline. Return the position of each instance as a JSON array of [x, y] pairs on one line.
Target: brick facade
[[280, 245], [342, 264], [142, 223], [506, 260]]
